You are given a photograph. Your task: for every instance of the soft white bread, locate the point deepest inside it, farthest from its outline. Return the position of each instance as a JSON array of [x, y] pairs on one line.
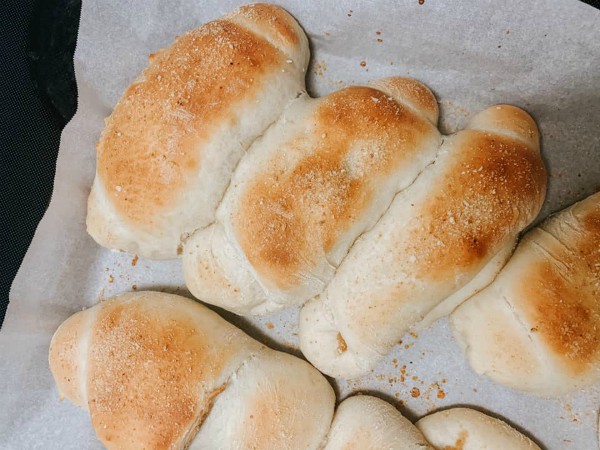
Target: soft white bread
[[536, 328], [173, 140], [317, 179], [441, 239], [468, 429], [160, 371], [369, 423]]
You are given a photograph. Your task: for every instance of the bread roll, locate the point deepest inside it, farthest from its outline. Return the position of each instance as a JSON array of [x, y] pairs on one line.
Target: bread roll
[[468, 429], [369, 423], [536, 328], [173, 140], [160, 371], [317, 179], [433, 247]]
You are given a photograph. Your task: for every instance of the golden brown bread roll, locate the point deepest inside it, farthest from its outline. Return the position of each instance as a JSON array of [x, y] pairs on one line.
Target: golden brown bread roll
[[160, 371], [173, 140], [318, 178], [536, 328], [442, 239]]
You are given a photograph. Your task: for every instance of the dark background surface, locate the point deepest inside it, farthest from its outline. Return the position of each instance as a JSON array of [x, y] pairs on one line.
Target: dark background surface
[[38, 96]]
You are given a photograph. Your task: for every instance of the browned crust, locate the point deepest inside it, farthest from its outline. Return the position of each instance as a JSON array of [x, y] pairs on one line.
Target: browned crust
[[413, 92], [561, 292], [493, 191], [149, 150], [273, 20], [148, 374], [509, 119], [287, 218]]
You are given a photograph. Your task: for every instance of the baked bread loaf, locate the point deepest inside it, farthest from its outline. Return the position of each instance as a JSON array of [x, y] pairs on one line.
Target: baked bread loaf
[[317, 179], [468, 429], [536, 328], [363, 422], [173, 140], [434, 246], [159, 371]]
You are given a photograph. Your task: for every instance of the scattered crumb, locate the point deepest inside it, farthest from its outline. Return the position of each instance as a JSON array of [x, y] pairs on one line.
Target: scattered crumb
[[363, 64], [270, 325], [350, 13], [415, 392], [421, 2], [441, 394], [134, 260], [327, 33], [342, 346], [111, 278], [320, 68], [134, 287]]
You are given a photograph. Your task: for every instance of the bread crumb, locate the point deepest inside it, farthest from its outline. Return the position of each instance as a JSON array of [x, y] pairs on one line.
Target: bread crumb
[[415, 392], [342, 346], [134, 260]]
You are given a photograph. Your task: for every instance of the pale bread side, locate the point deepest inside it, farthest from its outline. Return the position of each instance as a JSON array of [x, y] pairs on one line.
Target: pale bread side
[[468, 429], [363, 422]]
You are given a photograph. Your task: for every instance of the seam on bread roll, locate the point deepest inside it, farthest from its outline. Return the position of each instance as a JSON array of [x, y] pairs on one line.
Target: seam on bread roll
[[188, 235], [188, 441], [484, 278], [242, 19]]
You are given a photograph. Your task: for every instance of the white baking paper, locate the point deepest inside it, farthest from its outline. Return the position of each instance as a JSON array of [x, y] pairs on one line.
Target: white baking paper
[[543, 56]]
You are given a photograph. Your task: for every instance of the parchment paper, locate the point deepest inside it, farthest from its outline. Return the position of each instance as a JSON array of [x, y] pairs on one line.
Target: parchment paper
[[541, 55]]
